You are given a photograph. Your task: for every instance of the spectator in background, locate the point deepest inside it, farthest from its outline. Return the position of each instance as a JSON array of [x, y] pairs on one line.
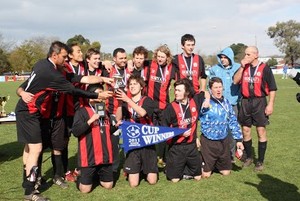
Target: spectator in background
[[284, 71], [225, 70]]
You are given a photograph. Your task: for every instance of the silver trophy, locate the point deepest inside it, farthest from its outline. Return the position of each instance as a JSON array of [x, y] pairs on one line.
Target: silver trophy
[[117, 81], [3, 101]]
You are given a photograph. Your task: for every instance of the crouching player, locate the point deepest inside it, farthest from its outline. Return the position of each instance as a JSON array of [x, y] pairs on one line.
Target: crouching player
[[92, 128], [139, 109], [216, 121]]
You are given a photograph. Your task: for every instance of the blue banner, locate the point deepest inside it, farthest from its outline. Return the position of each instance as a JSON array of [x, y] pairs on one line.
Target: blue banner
[[140, 135]]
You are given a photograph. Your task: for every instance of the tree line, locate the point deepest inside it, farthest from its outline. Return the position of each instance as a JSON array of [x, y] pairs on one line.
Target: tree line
[[21, 58]]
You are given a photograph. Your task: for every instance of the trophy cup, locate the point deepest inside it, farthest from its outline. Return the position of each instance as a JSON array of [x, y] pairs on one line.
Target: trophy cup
[[117, 81], [3, 101]]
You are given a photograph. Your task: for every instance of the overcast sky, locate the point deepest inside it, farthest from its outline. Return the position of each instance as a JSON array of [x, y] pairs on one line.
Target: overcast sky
[[215, 24]]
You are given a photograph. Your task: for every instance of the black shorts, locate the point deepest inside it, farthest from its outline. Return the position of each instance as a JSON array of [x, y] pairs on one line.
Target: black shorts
[[141, 160], [180, 157], [215, 154], [28, 128], [53, 134], [104, 173], [252, 112]]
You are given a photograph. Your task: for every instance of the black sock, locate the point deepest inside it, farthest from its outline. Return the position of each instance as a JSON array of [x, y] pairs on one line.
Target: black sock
[[24, 173], [29, 183], [28, 186], [262, 147], [53, 163], [59, 170], [248, 148], [65, 159], [40, 160]]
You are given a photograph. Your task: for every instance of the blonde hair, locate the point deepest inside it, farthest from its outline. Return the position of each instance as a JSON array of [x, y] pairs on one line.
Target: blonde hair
[[165, 49]]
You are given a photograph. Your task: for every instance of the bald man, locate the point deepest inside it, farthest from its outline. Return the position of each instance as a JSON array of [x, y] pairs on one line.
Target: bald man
[[257, 82]]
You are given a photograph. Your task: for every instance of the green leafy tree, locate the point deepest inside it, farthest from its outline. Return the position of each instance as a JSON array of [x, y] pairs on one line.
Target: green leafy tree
[[286, 37], [238, 50], [79, 39], [4, 63], [84, 43], [272, 62], [23, 57]]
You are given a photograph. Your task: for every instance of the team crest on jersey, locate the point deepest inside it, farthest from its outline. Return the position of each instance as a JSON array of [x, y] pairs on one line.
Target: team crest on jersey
[[153, 71], [258, 74], [195, 64], [193, 109]]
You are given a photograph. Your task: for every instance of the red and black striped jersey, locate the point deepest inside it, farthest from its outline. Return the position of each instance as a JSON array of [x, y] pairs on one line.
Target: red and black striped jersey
[[159, 82], [94, 143]]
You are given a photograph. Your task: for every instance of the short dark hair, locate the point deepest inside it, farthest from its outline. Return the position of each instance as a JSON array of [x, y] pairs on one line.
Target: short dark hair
[[56, 47], [214, 80], [70, 47], [90, 52], [187, 85], [187, 37], [140, 50], [117, 50], [93, 87], [138, 78]]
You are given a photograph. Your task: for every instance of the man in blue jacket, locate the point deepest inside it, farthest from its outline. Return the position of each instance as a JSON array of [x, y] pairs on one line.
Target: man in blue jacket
[[216, 121], [225, 70]]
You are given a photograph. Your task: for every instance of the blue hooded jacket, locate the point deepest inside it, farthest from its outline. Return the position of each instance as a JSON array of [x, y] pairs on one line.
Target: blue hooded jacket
[[231, 91]]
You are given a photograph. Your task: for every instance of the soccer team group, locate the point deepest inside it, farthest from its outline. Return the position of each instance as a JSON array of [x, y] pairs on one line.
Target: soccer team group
[[68, 94]]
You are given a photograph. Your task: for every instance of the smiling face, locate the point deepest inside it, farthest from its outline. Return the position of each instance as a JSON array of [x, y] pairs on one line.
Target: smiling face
[[93, 61], [134, 87], [120, 59], [76, 56]]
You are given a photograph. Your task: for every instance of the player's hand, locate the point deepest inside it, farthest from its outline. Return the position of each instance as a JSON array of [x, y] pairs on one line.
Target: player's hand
[[187, 133], [93, 118], [120, 95], [269, 110], [26, 96], [107, 80], [105, 94]]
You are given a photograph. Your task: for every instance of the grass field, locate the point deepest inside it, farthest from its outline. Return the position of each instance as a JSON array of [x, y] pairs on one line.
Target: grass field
[[279, 181]]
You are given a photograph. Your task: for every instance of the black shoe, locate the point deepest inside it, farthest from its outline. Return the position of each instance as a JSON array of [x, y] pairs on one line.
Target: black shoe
[[60, 182], [40, 184], [187, 177], [35, 196], [259, 167]]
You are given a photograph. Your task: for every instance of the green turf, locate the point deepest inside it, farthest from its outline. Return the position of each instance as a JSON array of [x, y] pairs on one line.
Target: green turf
[[279, 181]]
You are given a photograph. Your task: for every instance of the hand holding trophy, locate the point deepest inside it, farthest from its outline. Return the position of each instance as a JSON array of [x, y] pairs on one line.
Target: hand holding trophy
[[3, 101]]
